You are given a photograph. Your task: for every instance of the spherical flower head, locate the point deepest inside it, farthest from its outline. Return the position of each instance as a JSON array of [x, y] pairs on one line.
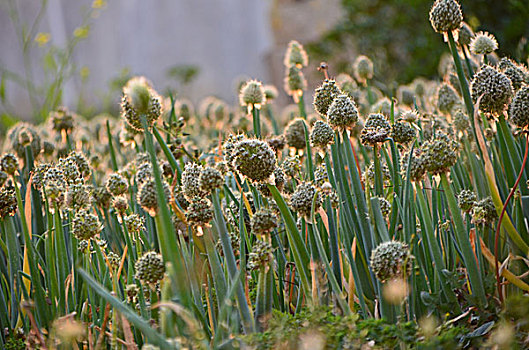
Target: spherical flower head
[[83, 165], [390, 260], [147, 196], [385, 206], [301, 200], [376, 130], [271, 94], [295, 134], [342, 113], [139, 98], [78, 196], [484, 212], [102, 197], [324, 96], [439, 154], [466, 199], [519, 109], [48, 148], [460, 120], [117, 184], [190, 180], [13, 135], [261, 255], [320, 176], [295, 82], [263, 221], [8, 202], [277, 142], [210, 179], [120, 205], [446, 15], [383, 106], [113, 260], [69, 169], [296, 55], [363, 69], [516, 73], [483, 43], [180, 197], [143, 173], [254, 159], [85, 225], [9, 163], [134, 223], [494, 88], [199, 212], [291, 166], [252, 95], [403, 132], [369, 174], [150, 268], [62, 119], [348, 85], [322, 135], [228, 148], [446, 98], [406, 95], [465, 34], [410, 116], [279, 179], [417, 169], [3, 178]]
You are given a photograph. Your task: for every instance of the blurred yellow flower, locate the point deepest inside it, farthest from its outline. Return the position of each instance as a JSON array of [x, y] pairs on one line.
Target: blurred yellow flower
[[42, 38], [81, 32], [84, 72], [97, 4]]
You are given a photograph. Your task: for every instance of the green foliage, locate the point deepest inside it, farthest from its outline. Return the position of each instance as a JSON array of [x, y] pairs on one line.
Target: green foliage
[[387, 31]]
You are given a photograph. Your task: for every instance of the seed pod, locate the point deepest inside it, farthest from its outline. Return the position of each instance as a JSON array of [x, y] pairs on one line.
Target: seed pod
[[494, 88], [484, 212], [199, 212], [85, 225], [116, 184], [139, 98], [9, 163], [390, 260], [254, 159], [439, 154], [210, 179], [363, 69], [301, 200], [260, 256], [324, 96], [403, 132], [466, 200], [252, 95], [8, 202], [376, 130], [296, 55], [150, 268], [519, 109], [148, 196], [446, 15], [342, 113], [295, 134], [322, 135], [483, 43], [446, 98], [263, 221]]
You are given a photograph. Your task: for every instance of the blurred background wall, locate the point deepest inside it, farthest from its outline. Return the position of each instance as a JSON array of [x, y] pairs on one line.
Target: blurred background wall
[[197, 47]]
